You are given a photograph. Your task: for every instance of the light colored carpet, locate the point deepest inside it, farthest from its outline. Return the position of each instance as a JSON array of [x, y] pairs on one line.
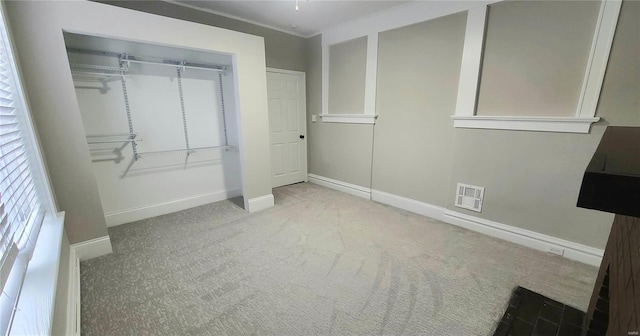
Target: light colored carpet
[[320, 262]]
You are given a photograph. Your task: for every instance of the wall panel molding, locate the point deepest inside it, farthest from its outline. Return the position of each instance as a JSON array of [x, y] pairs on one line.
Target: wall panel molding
[[548, 124], [468, 87], [371, 76], [349, 118], [471, 67], [371, 26], [599, 57]]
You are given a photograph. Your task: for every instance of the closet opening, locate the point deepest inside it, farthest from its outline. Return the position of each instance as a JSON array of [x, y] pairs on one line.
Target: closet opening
[[161, 125]]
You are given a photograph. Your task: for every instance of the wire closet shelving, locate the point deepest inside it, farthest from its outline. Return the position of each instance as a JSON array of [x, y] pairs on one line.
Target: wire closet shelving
[[104, 73]]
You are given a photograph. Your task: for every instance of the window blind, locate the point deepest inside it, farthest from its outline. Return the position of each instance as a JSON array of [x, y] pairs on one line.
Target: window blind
[[20, 212]]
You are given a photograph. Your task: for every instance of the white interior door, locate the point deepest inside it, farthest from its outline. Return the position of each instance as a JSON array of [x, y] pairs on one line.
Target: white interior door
[[288, 126]]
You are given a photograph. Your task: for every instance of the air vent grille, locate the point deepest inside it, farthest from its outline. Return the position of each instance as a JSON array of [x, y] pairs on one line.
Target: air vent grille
[[469, 197]]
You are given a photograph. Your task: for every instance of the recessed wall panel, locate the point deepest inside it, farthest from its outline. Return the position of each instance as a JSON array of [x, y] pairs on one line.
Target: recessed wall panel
[[347, 69], [535, 57]]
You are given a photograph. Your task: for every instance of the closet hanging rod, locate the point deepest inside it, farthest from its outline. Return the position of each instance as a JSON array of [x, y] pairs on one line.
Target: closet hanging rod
[[109, 138], [148, 60]]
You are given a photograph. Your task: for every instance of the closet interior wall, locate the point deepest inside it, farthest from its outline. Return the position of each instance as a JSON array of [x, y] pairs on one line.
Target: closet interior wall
[[161, 138]]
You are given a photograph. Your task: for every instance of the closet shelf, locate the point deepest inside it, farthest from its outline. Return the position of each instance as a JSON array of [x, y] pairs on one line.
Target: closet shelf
[[182, 151], [97, 70], [96, 67], [119, 73]]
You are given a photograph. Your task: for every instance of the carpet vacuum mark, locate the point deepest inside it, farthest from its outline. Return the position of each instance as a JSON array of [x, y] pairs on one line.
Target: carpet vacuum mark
[[320, 262]]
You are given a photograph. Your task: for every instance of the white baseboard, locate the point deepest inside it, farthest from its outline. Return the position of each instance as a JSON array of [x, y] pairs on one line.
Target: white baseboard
[[409, 204], [73, 299], [135, 214], [348, 188], [81, 251], [574, 251], [92, 248], [259, 203]]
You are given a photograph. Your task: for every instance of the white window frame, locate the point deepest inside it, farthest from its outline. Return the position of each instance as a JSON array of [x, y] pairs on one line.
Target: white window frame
[[468, 87]]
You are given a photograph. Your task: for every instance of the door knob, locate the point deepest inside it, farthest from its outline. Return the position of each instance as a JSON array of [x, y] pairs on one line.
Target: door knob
[[301, 136]]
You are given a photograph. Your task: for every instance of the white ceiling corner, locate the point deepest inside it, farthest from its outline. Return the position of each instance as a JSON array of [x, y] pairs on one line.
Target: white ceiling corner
[[313, 16]]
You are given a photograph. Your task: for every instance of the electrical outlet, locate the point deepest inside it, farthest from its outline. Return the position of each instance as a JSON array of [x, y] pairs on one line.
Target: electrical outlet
[[555, 250]]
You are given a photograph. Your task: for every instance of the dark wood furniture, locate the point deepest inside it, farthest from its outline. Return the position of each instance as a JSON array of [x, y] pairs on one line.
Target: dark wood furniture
[[611, 183]]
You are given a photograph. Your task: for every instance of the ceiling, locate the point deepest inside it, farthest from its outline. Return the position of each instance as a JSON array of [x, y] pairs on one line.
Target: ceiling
[[312, 17]]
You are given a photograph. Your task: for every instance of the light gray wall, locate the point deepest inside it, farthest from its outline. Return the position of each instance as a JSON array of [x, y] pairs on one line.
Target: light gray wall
[[283, 51], [532, 179], [418, 71], [347, 70], [155, 115], [534, 57], [38, 32], [58, 124], [338, 151], [344, 151]]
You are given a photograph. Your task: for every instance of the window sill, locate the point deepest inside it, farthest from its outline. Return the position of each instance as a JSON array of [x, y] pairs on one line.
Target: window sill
[[34, 314], [538, 124], [349, 118]]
